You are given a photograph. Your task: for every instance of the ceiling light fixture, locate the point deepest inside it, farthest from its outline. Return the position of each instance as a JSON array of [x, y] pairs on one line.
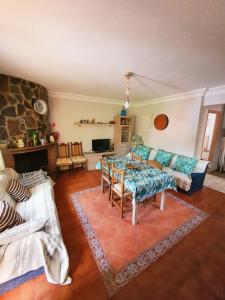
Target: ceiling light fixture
[[128, 75]]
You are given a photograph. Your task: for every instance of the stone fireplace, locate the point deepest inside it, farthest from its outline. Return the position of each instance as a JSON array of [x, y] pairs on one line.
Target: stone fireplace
[[31, 161], [32, 158], [17, 115], [18, 118]]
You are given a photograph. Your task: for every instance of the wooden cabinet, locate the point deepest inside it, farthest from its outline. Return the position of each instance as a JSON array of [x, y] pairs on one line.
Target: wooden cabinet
[[123, 130], [93, 158]]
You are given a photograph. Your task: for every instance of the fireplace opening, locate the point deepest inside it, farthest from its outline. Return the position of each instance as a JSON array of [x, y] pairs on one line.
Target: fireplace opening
[[31, 161]]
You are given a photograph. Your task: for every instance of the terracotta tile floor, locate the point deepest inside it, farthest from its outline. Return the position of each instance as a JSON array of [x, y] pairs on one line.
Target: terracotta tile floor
[[193, 269], [121, 241], [215, 181]]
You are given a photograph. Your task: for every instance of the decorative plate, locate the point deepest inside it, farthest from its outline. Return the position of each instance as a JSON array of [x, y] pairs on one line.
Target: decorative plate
[[40, 107], [161, 122]]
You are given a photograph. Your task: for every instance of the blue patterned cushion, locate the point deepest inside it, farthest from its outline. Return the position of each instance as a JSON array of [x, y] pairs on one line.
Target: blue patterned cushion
[[143, 151], [185, 164], [164, 157]]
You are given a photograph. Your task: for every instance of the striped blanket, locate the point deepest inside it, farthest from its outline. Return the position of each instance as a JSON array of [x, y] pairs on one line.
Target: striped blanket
[[40, 249]]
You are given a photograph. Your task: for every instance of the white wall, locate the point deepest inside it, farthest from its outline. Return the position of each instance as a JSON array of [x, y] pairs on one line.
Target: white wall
[[215, 96], [184, 134], [64, 112], [180, 135]]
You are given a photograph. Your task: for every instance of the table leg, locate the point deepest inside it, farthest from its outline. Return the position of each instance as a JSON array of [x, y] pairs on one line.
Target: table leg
[[162, 200], [134, 211]]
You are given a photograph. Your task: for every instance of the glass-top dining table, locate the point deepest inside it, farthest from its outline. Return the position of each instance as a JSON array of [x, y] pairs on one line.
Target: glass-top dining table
[[143, 182]]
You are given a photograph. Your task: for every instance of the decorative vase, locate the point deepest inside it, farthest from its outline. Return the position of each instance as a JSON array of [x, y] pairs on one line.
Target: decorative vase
[[51, 139], [20, 143], [123, 112]]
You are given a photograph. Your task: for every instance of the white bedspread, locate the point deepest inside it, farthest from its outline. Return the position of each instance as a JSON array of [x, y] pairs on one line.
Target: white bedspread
[[43, 248]]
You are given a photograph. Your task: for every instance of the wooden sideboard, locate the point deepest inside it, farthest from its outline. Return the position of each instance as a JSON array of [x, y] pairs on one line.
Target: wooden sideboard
[[51, 148], [94, 157]]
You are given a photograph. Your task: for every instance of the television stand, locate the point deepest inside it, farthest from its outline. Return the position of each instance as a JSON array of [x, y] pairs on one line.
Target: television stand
[[94, 157]]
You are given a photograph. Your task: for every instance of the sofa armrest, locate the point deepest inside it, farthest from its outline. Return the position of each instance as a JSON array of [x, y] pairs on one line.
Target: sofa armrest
[[197, 181]]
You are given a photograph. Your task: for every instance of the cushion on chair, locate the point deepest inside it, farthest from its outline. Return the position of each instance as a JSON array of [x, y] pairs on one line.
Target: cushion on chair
[[164, 157], [185, 164], [117, 189], [18, 192], [183, 181], [78, 159], [65, 161], [9, 217]]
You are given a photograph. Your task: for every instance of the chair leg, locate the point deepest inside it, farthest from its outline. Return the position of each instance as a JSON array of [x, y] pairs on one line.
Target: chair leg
[[70, 168], [102, 184], [111, 198], [121, 206], [110, 191]]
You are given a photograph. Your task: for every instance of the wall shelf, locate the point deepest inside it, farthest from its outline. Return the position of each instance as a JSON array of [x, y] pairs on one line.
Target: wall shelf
[[93, 124]]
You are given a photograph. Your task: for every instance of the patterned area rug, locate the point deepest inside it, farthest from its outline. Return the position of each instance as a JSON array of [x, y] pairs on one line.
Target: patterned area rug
[[122, 250]]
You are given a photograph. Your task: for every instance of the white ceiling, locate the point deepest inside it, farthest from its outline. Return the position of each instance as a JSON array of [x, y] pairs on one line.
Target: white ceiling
[[86, 46]]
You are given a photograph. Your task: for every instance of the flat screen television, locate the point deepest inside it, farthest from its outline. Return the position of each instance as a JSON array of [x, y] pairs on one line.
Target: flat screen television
[[101, 145]]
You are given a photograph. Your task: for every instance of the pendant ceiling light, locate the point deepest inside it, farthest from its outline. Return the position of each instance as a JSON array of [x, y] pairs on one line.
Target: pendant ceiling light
[[128, 75]]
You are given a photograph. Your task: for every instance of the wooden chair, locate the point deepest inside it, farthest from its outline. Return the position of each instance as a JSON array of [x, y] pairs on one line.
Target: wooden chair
[[77, 154], [154, 164], [134, 156], [63, 156], [106, 177], [118, 188]]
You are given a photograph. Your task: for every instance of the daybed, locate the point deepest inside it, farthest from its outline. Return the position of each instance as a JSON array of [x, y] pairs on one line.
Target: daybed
[[188, 171], [25, 254]]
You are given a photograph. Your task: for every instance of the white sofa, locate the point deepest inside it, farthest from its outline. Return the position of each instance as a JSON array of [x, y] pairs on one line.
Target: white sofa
[[43, 249], [186, 183]]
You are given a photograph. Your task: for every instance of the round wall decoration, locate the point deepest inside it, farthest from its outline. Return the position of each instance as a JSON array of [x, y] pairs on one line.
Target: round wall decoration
[[40, 106], [161, 122]]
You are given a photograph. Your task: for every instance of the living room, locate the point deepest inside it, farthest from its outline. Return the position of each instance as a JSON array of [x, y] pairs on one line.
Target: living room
[[141, 86]]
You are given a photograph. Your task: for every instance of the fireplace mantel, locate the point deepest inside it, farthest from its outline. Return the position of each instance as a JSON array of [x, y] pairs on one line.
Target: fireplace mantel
[[9, 155]]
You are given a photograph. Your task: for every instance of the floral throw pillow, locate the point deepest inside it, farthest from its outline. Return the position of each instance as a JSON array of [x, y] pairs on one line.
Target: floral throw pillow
[[143, 151], [185, 164], [163, 157]]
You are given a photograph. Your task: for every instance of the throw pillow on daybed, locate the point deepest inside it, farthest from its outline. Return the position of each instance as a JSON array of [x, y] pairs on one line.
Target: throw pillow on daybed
[[31, 179], [185, 164], [143, 151], [18, 192], [5, 176], [21, 231], [163, 157], [9, 217]]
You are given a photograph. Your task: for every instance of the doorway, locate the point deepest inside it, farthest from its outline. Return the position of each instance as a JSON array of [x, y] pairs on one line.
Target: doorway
[[211, 134]]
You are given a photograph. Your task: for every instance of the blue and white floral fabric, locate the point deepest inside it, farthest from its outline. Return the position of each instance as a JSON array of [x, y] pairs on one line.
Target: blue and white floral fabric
[[164, 157], [145, 181], [143, 151], [185, 164]]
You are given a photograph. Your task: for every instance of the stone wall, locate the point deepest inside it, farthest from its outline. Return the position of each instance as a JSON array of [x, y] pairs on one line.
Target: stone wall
[[17, 115]]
